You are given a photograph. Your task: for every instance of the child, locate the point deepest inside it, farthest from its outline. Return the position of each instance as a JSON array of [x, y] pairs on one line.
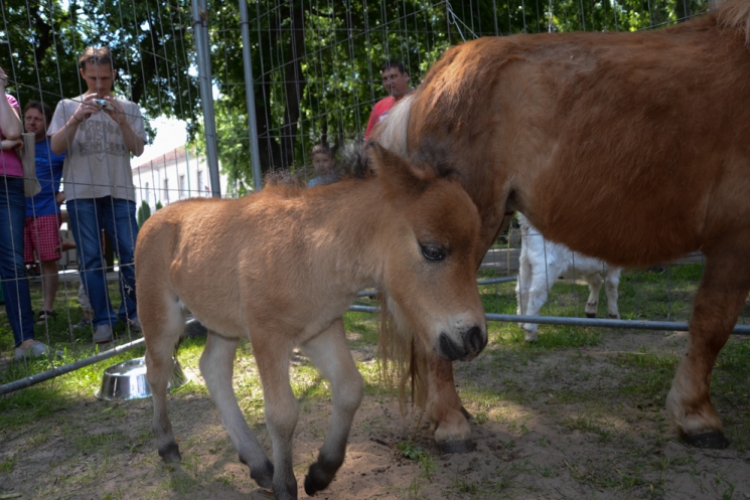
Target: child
[[323, 165]]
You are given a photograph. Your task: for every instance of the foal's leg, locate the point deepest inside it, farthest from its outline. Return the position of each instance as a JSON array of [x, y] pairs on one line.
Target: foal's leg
[[594, 281], [162, 322], [273, 349], [217, 366], [717, 304], [331, 356], [444, 408], [611, 285]]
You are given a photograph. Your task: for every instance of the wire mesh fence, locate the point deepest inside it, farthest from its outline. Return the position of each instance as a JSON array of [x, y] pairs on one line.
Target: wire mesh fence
[[316, 76]]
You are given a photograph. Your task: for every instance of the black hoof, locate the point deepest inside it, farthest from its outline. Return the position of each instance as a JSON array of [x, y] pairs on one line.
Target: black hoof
[[171, 453], [320, 475], [457, 446], [262, 475], [707, 440], [314, 483], [591, 315]]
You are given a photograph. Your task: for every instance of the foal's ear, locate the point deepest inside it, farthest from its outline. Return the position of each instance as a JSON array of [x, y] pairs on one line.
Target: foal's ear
[[396, 173]]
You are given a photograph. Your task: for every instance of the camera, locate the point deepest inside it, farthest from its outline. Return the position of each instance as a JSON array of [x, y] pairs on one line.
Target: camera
[[102, 104]]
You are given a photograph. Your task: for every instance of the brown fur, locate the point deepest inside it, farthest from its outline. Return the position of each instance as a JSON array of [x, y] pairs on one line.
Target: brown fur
[[280, 267], [637, 138]]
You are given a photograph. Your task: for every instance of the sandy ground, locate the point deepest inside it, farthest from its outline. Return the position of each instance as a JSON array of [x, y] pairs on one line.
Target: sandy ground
[[532, 442]]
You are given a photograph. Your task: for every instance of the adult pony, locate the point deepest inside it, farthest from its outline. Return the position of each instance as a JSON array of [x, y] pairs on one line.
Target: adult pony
[[638, 138], [541, 262], [279, 268]]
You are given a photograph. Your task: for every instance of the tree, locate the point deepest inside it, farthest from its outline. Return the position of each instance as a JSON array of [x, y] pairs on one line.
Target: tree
[[315, 64]]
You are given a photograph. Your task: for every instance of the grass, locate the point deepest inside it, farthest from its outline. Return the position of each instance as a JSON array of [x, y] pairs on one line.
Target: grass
[[571, 383]]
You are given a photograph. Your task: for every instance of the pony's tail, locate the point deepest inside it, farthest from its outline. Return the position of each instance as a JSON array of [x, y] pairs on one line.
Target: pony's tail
[[391, 131], [399, 361]]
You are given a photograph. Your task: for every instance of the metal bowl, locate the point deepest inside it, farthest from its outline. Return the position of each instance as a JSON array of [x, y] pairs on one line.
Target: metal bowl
[[127, 380]]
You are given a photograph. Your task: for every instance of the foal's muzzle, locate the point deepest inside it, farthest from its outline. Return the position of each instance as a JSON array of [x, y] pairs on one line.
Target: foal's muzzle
[[472, 342]]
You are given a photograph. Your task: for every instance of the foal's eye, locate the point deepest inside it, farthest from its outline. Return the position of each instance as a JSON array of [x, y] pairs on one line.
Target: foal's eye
[[433, 252]]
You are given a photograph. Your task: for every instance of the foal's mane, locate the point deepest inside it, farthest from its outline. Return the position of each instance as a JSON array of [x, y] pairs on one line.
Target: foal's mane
[[735, 14]]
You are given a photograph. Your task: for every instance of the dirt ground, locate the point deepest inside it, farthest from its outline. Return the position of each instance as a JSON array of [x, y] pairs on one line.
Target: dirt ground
[[545, 426]]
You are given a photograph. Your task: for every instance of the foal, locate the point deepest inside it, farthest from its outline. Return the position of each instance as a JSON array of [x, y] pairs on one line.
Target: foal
[[280, 267]]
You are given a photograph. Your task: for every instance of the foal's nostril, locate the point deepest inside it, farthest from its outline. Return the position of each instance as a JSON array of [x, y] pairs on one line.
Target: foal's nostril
[[475, 341], [448, 348]]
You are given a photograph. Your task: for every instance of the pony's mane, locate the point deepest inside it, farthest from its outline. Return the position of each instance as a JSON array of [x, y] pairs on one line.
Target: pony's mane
[[391, 131], [735, 14], [430, 157]]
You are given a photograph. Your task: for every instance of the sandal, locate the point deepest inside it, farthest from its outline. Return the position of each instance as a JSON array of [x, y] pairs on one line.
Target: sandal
[[46, 316]]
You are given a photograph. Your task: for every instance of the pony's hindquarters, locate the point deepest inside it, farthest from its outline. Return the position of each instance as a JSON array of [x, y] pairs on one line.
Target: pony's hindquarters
[[162, 320]]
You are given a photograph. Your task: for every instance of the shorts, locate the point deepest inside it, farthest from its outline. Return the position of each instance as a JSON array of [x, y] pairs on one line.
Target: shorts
[[41, 236]]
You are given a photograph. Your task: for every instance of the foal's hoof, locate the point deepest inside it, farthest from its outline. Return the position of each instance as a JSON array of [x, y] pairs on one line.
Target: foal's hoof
[[708, 440], [171, 453], [591, 315], [263, 476], [315, 480], [457, 446], [320, 475]]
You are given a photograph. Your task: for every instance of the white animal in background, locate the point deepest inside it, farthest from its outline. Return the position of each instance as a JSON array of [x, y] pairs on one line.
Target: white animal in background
[[542, 262]]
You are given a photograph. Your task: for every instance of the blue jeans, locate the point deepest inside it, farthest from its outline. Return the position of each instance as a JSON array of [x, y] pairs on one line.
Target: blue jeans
[[117, 216], [12, 268]]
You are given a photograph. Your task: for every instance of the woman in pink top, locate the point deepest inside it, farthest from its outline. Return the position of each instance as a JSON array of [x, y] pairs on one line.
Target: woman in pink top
[[12, 218]]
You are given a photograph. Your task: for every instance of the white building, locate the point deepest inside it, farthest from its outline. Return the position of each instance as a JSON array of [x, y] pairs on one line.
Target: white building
[[176, 175]]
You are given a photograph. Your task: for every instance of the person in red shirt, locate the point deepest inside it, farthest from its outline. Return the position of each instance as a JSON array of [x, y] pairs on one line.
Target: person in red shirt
[[396, 82]]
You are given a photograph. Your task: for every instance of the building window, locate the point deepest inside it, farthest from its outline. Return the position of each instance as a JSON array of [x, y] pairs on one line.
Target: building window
[[183, 187], [148, 194], [200, 183], [166, 191]]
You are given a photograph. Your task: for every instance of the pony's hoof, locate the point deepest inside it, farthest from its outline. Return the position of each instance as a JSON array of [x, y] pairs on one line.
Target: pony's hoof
[[591, 315], [171, 453], [457, 446], [707, 440]]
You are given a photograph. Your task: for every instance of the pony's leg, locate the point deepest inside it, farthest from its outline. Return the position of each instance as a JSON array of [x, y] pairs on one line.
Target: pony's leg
[[272, 354], [330, 354], [542, 279], [594, 281], [162, 321], [611, 286], [444, 408], [717, 304], [522, 284], [217, 366]]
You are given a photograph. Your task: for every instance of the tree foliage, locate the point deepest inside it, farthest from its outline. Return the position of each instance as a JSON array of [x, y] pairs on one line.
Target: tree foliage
[[151, 42], [315, 63]]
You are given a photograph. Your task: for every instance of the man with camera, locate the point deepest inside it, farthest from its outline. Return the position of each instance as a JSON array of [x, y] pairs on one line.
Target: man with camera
[[99, 132]]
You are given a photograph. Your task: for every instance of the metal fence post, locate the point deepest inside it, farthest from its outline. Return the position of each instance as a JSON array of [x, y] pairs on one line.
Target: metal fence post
[[250, 96], [200, 28]]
